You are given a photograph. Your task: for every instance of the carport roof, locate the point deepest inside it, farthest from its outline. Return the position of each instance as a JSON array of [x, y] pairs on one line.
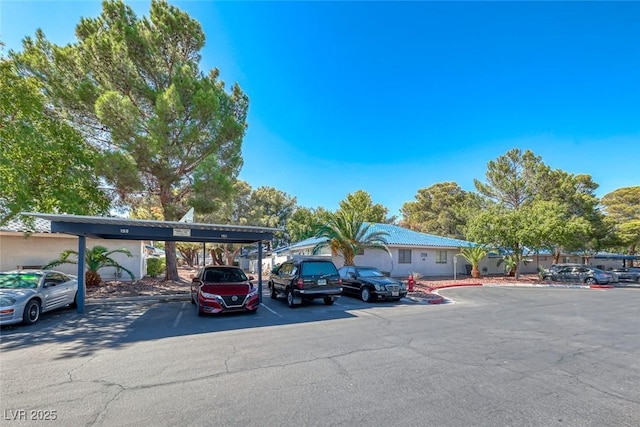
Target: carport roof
[[138, 229]]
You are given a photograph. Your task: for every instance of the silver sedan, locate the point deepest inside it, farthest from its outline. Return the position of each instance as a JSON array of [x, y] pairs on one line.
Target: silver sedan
[[24, 295]]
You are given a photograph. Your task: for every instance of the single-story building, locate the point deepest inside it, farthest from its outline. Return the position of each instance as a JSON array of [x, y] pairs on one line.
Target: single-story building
[[410, 252], [23, 247], [431, 255]]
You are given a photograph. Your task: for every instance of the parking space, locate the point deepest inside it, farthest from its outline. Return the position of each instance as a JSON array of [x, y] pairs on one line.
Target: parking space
[[485, 355], [114, 324]]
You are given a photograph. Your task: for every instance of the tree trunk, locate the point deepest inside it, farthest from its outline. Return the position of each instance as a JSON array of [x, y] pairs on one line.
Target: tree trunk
[[92, 278], [517, 257], [171, 261], [216, 257], [475, 273], [231, 253]]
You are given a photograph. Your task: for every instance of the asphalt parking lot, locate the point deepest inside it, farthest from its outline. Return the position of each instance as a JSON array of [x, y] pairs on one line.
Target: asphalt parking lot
[[492, 356], [152, 318]]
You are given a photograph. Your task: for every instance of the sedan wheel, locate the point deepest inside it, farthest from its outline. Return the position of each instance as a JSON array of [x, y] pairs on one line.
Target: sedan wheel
[[365, 294], [290, 298], [274, 294], [590, 281], [31, 312]]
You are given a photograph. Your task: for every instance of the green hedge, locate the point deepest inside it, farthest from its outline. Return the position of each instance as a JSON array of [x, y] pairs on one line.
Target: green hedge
[[155, 266]]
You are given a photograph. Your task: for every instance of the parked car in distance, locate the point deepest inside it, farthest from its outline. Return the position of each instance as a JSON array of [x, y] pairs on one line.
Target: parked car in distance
[[555, 267], [370, 284], [222, 288], [306, 279], [580, 274], [26, 294], [627, 274]]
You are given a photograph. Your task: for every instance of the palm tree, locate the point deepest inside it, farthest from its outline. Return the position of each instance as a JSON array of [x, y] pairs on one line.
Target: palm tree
[[474, 254], [510, 264], [347, 234], [95, 258]]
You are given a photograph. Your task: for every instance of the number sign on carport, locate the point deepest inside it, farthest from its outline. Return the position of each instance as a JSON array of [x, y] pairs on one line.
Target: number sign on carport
[[131, 229]]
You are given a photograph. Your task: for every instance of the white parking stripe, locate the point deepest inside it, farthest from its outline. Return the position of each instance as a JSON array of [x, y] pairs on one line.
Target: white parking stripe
[[270, 310], [179, 316]]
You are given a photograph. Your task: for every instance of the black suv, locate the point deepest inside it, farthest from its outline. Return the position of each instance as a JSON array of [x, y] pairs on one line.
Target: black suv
[[306, 278]]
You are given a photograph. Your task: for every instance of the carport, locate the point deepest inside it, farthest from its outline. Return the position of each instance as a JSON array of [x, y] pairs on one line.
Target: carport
[[135, 229]]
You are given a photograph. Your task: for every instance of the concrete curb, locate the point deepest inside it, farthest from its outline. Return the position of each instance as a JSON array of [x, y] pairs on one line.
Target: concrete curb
[[437, 299], [457, 285], [550, 285], [141, 298], [432, 299]]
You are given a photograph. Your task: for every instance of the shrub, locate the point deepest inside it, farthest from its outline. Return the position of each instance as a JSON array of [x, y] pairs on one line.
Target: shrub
[[155, 266]]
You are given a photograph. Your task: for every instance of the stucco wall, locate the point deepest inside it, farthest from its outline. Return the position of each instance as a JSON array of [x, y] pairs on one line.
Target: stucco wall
[[489, 266], [39, 249], [425, 265], [423, 262]]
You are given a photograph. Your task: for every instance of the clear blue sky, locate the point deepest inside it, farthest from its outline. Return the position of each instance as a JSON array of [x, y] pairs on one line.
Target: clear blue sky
[[392, 97]]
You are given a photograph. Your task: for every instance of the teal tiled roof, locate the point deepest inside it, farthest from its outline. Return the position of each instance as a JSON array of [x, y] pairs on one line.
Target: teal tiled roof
[[398, 236]]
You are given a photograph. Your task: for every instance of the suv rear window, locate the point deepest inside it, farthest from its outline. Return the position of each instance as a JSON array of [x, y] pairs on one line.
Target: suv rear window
[[318, 268]]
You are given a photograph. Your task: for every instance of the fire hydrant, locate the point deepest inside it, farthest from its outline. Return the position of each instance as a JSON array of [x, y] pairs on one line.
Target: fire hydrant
[[410, 283]]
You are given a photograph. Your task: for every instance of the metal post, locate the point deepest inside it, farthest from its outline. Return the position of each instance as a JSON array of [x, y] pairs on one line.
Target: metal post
[[260, 270], [455, 266], [81, 284]]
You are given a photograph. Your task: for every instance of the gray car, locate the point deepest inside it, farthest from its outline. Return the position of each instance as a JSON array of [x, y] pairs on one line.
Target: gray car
[[26, 294], [581, 274], [627, 274]]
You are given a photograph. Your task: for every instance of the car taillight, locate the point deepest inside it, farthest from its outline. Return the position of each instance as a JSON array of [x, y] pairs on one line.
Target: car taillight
[[300, 284], [340, 281]]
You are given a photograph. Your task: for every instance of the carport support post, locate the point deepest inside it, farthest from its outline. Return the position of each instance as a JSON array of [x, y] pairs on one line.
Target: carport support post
[[81, 249], [260, 270]]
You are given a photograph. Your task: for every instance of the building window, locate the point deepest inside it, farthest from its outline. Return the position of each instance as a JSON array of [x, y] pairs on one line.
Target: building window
[[441, 257], [404, 256]]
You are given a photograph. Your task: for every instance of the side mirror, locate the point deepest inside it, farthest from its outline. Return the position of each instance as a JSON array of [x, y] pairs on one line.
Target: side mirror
[[47, 284], [251, 278], [353, 275]]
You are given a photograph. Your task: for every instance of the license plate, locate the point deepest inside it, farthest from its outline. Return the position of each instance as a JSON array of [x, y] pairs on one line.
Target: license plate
[[322, 282], [395, 293]]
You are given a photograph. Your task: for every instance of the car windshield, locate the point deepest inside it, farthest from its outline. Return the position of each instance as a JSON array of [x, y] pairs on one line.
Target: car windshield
[[19, 280], [369, 272], [318, 268], [224, 275]]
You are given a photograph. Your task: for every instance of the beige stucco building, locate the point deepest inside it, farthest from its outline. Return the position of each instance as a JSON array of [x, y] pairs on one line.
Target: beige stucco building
[[22, 246]]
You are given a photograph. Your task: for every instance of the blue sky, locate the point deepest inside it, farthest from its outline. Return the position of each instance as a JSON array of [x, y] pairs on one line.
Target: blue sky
[[392, 97]]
